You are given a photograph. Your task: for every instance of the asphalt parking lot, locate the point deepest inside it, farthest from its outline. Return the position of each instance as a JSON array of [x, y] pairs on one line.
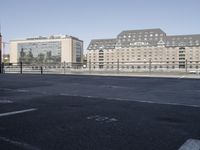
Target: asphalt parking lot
[[66, 112]]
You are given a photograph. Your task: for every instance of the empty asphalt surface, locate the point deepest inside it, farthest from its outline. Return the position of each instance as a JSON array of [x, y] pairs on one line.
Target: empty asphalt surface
[[57, 112]]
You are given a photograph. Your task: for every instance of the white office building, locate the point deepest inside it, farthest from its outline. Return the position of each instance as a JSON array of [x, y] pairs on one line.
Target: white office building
[[46, 50]]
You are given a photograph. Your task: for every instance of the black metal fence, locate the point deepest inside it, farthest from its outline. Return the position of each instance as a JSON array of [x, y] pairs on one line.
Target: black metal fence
[[21, 68], [132, 66], [146, 66]]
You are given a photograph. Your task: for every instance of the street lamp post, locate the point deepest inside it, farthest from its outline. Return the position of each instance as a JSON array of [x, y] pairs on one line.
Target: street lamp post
[[1, 71]]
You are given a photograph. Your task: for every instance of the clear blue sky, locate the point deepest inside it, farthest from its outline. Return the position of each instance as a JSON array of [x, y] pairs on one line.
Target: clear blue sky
[[94, 19]]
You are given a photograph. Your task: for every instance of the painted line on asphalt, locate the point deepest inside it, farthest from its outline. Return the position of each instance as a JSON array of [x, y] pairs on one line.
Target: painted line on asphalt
[[5, 101], [104, 119], [15, 90], [160, 103], [173, 104], [22, 90], [124, 99], [17, 143], [191, 144], [17, 112]]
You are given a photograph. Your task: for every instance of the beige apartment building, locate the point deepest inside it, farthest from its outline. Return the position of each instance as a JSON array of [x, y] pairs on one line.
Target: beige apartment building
[[54, 49], [145, 49]]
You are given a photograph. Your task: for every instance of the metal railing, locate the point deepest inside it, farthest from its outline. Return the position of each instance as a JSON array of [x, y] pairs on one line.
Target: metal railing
[[21, 68], [146, 66], [103, 67]]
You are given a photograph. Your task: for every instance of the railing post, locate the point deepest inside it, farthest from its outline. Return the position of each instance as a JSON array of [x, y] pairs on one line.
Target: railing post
[[186, 66], [2, 67], [41, 69], [90, 66], [117, 65], [64, 66], [21, 67], [150, 65]]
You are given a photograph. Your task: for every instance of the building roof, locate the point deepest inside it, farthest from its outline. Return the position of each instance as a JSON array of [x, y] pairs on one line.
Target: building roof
[[146, 37], [183, 40], [142, 31], [47, 38], [102, 44]]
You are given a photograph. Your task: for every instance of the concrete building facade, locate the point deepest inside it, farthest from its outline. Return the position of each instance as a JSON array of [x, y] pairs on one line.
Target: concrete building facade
[[46, 50], [144, 49]]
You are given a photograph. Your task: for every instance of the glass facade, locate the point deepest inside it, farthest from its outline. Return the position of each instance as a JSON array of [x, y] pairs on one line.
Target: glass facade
[[78, 49], [39, 52]]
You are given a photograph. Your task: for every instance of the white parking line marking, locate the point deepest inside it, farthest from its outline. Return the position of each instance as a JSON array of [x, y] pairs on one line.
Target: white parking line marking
[[191, 144], [17, 112], [17, 143]]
